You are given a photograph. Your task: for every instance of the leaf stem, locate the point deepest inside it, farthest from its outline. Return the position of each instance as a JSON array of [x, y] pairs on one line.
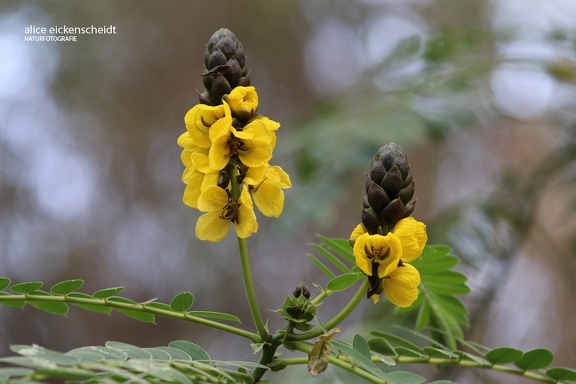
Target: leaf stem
[[134, 307], [352, 304]]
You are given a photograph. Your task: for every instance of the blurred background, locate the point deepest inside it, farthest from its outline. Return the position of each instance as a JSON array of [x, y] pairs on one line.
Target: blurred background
[[481, 94]]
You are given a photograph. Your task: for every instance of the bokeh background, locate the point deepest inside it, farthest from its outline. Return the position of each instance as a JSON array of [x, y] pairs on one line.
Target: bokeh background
[[481, 94]]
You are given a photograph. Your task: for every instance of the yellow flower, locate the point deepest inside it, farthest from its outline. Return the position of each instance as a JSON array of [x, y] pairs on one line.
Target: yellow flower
[[377, 251], [401, 286], [394, 276], [221, 211], [200, 119], [265, 183], [253, 144], [243, 102]]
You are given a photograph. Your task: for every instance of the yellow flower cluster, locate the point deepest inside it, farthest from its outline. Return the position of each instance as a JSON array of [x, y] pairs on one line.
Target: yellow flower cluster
[[384, 259], [227, 149]]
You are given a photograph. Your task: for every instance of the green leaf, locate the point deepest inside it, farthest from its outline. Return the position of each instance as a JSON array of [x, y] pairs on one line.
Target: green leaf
[[176, 354], [504, 355], [107, 292], [4, 282], [66, 287], [381, 345], [195, 352], [182, 301], [50, 356], [442, 382], [332, 259], [6, 373], [11, 303], [54, 307], [535, 359], [322, 267], [403, 377], [89, 307], [562, 374], [214, 315], [408, 345], [130, 351], [439, 353], [133, 313], [361, 345], [26, 287], [341, 246], [359, 358], [162, 306], [342, 282]]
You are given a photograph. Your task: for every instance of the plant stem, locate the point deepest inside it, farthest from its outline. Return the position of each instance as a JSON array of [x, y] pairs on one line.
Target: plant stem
[[250, 292], [29, 297], [353, 303]]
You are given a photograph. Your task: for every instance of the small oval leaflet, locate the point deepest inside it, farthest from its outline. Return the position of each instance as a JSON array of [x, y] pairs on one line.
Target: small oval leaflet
[[66, 287], [182, 301], [342, 282]]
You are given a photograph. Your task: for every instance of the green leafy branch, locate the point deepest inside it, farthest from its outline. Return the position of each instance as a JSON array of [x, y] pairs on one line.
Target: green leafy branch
[[65, 293], [180, 362], [362, 357]]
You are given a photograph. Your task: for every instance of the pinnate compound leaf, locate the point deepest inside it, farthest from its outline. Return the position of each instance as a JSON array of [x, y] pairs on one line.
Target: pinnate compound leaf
[[182, 301], [342, 282], [26, 287], [504, 355], [358, 358], [7, 373], [320, 353], [48, 355], [195, 352], [4, 282], [334, 260], [535, 359], [66, 287], [107, 292], [130, 351]]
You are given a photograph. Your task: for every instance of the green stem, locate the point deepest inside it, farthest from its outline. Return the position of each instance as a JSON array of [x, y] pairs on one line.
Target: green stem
[[250, 292], [133, 307], [344, 313]]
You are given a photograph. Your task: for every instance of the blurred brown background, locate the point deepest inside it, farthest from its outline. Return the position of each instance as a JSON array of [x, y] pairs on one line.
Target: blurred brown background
[[481, 94]]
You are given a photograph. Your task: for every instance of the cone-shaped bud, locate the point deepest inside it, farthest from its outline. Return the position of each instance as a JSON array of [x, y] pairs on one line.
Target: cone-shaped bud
[[225, 66], [301, 290], [389, 190]]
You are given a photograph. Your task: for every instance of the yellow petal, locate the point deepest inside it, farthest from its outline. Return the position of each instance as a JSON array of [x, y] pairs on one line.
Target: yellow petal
[[243, 100], [269, 198], [362, 260], [357, 232], [247, 224], [413, 236], [211, 227], [213, 198], [199, 121], [219, 154], [385, 268], [193, 189], [401, 286], [270, 125]]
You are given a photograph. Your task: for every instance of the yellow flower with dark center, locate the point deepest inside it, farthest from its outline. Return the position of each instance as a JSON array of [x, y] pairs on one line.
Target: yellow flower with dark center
[[221, 211], [266, 183], [390, 254], [253, 144], [377, 255]]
